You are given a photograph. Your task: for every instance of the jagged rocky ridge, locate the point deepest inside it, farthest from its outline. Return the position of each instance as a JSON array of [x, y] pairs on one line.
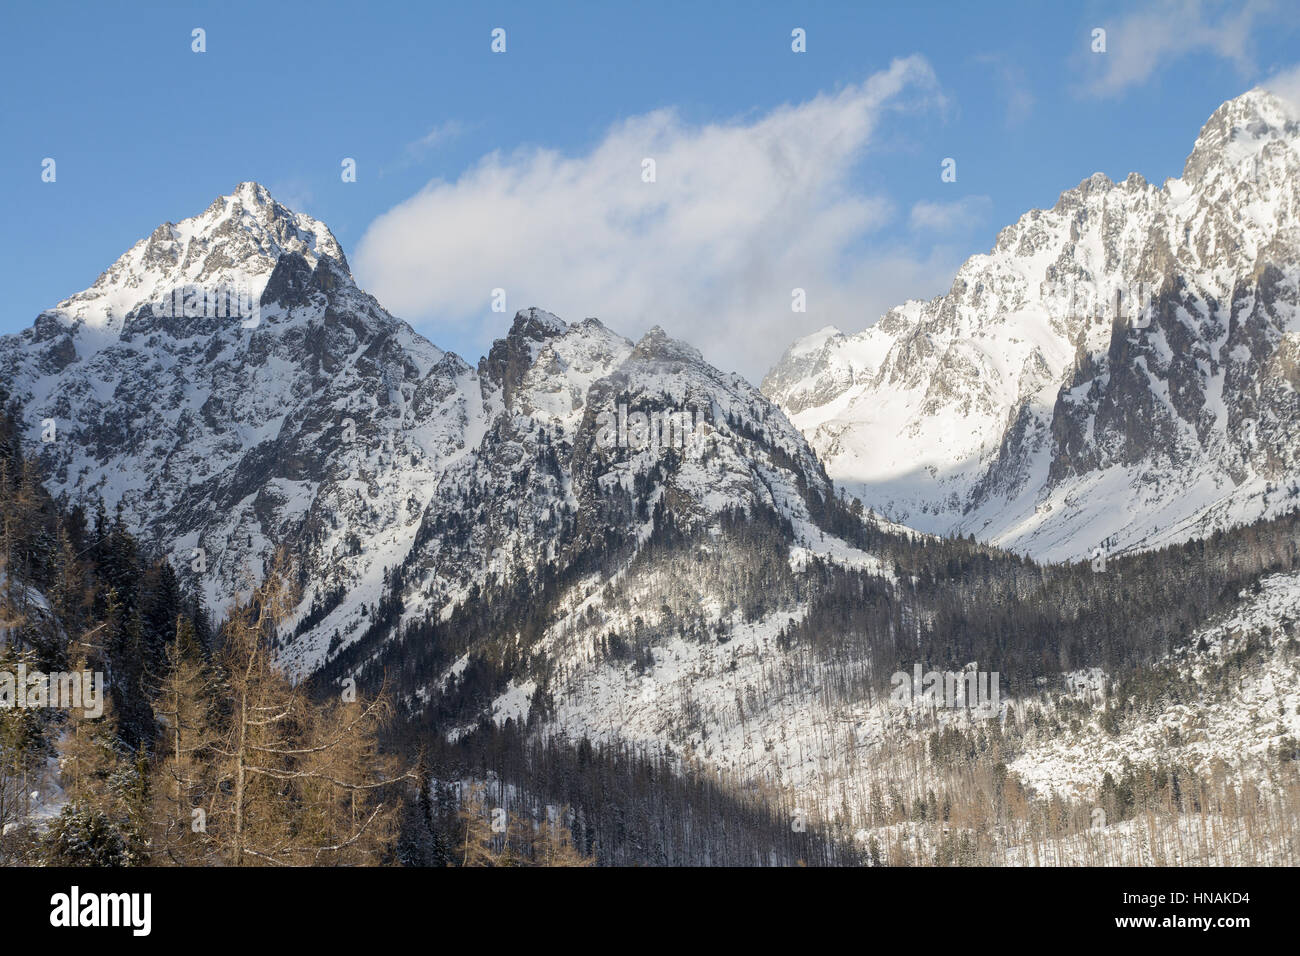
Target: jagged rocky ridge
[[1033, 408]]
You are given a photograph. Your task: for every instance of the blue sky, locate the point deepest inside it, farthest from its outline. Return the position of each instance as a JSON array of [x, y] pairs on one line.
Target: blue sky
[[775, 169]]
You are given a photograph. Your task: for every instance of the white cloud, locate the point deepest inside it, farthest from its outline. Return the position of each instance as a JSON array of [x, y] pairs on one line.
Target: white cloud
[[740, 214], [956, 216], [1149, 39]]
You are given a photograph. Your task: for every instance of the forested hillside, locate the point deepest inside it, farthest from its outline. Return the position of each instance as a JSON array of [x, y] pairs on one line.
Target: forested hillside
[[777, 689]]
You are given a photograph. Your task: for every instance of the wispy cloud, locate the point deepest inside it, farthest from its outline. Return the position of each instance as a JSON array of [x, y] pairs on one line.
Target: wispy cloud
[[1015, 87], [1148, 39], [418, 149], [739, 215], [1286, 84], [440, 134], [295, 193], [950, 217]]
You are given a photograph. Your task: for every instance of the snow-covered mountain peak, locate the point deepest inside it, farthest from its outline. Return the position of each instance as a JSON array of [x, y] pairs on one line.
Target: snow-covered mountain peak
[[658, 345], [234, 244], [253, 193], [277, 229], [1257, 127], [537, 323], [1131, 335], [315, 422]]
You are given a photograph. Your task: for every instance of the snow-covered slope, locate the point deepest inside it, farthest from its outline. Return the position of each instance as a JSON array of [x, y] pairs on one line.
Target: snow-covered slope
[[556, 483], [772, 717], [1245, 705], [1119, 370]]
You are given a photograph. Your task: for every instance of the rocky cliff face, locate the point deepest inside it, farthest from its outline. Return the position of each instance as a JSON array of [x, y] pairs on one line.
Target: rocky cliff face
[[1118, 370]]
